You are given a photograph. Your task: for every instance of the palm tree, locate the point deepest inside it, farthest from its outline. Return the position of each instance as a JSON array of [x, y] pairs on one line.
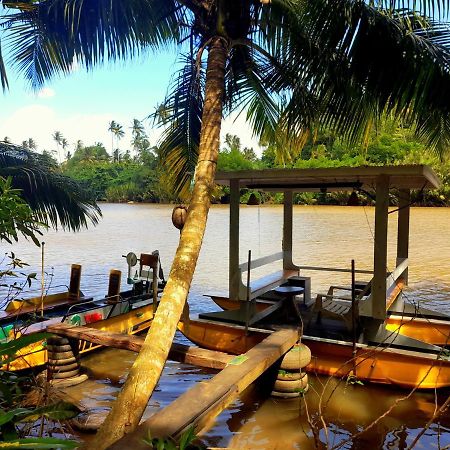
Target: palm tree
[[290, 64], [118, 133], [55, 198], [139, 139], [58, 137], [111, 128], [64, 145]]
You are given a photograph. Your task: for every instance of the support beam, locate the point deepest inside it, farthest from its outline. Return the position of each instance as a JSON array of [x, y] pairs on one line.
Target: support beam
[[380, 248], [206, 400], [404, 201], [234, 274], [178, 352], [287, 231]]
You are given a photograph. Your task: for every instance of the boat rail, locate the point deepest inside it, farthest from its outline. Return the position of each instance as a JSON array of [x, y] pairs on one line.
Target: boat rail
[[96, 303]]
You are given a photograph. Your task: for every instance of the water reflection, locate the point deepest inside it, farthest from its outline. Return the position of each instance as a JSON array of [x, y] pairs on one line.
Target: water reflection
[[323, 236]]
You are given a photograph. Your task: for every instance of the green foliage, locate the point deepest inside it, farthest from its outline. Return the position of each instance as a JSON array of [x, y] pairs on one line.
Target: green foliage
[[16, 216], [39, 443], [54, 198], [11, 414], [185, 442]]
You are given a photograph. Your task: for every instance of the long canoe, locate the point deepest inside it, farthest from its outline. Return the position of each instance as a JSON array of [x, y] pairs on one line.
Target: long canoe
[[405, 368]]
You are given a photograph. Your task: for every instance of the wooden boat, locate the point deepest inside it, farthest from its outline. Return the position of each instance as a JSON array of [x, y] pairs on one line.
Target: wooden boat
[[373, 333], [128, 312], [385, 365], [429, 327]]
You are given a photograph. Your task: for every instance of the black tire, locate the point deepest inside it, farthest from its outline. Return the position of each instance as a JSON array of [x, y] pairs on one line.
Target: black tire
[[56, 340], [59, 348], [63, 368], [61, 362], [62, 375], [60, 355]]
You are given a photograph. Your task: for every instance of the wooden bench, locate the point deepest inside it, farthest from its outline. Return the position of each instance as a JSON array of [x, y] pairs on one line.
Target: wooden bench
[[247, 312], [266, 283]]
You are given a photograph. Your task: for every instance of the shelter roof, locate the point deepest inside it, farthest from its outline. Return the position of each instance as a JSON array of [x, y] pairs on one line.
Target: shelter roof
[[332, 179]]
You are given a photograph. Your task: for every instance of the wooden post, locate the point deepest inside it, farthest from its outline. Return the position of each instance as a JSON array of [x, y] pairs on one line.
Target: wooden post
[[75, 280], [380, 248], [287, 231], [404, 200], [234, 272], [114, 286]]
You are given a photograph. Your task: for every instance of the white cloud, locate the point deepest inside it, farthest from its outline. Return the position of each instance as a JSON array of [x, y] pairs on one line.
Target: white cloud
[[236, 124], [40, 122], [46, 93]]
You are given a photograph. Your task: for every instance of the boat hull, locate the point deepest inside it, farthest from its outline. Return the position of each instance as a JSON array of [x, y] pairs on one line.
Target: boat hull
[[35, 355], [430, 331], [397, 367]]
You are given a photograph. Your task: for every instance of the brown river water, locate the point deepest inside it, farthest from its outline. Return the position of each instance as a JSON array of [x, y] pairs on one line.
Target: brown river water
[[323, 236]]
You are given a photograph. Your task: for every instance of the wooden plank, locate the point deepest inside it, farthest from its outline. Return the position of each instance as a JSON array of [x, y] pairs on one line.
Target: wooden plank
[[333, 269], [402, 266], [178, 352], [200, 404], [261, 261], [266, 283]]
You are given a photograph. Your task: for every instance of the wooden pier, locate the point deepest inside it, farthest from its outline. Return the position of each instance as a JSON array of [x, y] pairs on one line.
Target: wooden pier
[[202, 403], [182, 353]]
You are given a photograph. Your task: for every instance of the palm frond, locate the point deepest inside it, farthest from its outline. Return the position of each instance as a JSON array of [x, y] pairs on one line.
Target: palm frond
[[246, 90], [49, 37], [55, 198], [358, 63], [3, 77], [183, 111]]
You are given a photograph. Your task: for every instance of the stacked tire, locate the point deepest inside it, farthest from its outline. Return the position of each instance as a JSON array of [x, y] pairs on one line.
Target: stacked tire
[[291, 381], [63, 365]]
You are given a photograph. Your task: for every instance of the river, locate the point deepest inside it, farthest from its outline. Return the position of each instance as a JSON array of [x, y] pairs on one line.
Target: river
[[323, 236]]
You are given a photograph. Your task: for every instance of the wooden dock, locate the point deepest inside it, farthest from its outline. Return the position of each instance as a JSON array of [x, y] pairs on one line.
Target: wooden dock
[[178, 352], [202, 403]]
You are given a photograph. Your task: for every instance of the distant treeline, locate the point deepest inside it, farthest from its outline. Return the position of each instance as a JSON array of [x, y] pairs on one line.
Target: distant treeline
[[138, 176]]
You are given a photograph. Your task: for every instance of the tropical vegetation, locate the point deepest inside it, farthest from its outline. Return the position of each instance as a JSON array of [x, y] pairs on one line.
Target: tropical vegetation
[[291, 65], [54, 198]]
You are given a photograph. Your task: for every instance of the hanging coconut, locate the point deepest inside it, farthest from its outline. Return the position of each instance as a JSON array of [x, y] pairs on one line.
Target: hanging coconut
[[179, 215]]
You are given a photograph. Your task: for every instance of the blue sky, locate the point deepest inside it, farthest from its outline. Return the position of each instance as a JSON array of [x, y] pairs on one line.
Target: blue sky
[[82, 104]]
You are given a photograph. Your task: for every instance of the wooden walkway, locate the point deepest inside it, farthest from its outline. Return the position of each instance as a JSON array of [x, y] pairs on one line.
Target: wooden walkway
[[178, 352], [202, 403]]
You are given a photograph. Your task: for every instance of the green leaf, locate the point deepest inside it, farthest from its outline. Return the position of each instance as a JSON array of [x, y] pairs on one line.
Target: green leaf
[[39, 443], [56, 411], [187, 437], [9, 349], [13, 414]]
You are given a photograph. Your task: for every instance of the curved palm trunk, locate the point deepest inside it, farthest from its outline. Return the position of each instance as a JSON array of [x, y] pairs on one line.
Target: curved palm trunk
[[144, 375]]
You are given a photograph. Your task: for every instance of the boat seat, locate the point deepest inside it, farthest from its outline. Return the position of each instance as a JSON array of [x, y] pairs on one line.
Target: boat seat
[[340, 306]]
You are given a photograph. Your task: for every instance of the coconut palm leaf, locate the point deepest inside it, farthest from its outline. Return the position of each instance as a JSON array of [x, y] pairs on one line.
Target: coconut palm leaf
[[183, 107], [48, 37], [358, 62], [55, 198]]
